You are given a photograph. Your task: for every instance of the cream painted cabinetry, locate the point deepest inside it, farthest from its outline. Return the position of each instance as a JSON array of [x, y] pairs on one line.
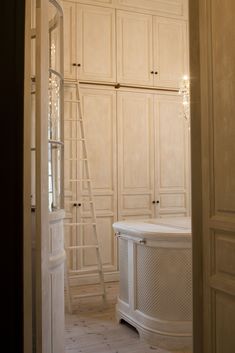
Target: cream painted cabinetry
[[69, 39], [134, 48], [90, 49], [172, 163], [135, 155], [137, 139], [151, 50], [99, 106], [138, 154], [153, 155], [170, 51], [104, 44]]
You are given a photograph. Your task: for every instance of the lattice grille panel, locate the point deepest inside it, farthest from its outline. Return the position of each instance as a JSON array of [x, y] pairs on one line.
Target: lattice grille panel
[[164, 283], [123, 266]]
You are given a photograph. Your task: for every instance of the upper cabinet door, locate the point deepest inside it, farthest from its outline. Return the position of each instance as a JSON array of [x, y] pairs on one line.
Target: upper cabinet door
[[170, 51], [69, 39], [96, 43], [134, 48]]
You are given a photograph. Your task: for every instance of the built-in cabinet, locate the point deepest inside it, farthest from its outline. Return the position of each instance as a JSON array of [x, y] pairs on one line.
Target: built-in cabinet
[[151, 50], [138, 150], [104, 44], [137, 136], [135, 154], [90, 48], [153, 155]]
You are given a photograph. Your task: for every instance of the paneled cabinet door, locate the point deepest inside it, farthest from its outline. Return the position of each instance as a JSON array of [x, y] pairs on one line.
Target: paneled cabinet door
[[69, 39], [134, 48], [96, 49], [170, 51], [171, 156], [135, 155], [99, 107]]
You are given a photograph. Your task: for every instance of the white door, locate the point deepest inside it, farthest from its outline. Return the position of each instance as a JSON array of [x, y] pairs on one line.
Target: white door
[[171, 156], [134, 48], [135, 155], [69, 39], [96, 49], [215, 241], [170, 51], [49, 247]]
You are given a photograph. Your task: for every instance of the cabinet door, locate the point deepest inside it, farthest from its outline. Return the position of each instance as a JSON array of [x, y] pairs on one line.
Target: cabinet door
[[96, 52], [69, 39], [172, 156], [170, 52], [99, 107], [134, 48], [135, 155]]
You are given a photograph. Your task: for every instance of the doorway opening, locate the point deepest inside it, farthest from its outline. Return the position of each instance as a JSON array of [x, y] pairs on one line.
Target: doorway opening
[[138, 140]]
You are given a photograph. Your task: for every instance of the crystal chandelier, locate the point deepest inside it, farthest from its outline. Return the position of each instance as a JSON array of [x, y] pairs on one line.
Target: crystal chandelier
[[184, 92]]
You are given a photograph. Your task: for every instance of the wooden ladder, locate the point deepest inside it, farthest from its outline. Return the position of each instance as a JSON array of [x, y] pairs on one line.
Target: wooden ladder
[[91, 220]]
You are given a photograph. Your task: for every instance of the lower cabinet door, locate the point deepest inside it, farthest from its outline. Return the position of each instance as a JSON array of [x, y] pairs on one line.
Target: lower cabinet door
[[99, 115], [135, 154], [172, 172]]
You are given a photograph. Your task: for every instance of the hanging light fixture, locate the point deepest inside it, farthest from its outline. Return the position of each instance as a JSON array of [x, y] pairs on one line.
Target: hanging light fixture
[[184, 92]]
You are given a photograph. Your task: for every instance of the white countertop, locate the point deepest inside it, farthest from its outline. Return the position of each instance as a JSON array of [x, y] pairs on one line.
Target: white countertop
[[156, 228]]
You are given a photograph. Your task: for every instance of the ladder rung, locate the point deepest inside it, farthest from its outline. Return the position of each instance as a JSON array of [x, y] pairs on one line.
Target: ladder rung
[[75, 159], [80, 224], [82, 247], [74, 139], [78, 120], [80, 201], [84, 272], [88, 295], [72, 101], [81, 180]]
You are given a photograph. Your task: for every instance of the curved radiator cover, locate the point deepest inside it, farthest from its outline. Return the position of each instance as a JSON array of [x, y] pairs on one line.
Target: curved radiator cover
[[156, 280]]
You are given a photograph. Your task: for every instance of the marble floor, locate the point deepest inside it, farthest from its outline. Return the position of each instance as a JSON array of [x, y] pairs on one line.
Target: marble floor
[[92, 328]]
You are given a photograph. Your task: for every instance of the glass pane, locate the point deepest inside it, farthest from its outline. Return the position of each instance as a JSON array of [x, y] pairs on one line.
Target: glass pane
[[54, 38], [54, 110], [54, 173], [55, 114]]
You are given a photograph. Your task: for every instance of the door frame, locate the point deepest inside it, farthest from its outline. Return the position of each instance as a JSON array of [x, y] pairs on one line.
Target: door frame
[[196, 179], [196, 173], [27, 240]]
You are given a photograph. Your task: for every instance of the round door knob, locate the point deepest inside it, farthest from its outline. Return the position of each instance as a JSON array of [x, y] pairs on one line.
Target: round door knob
[[78, 65], [75, 205], [156, 72], [79, 204], [152, 72], [157, 201], [153, 202], [74, 64]]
